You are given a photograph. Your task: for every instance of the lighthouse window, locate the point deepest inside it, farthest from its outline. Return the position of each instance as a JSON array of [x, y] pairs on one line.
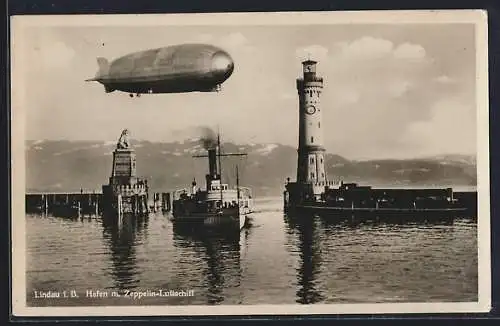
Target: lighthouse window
[[312, 160], [319, 124], [312, 139], [312, 174], [321, 160]]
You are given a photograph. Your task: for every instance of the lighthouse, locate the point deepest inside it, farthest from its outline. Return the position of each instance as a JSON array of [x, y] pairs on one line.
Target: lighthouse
[[312, 180], [311, 151]]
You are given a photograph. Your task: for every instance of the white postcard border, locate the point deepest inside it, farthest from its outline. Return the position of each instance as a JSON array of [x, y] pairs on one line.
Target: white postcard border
[[477, 17]]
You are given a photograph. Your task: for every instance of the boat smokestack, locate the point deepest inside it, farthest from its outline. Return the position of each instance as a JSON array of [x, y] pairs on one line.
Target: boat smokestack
[[212, 162], [209, 142]]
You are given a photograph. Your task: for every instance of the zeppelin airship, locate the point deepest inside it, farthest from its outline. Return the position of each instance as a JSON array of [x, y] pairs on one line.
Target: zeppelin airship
[[172, 69]]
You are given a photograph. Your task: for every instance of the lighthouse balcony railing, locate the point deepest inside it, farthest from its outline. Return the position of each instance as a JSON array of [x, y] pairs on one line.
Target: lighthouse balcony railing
[[326, 184], [310, 80], [130, 190]]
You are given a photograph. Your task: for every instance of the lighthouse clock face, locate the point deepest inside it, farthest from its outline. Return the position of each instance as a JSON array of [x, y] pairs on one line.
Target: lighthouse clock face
[[310, 109]]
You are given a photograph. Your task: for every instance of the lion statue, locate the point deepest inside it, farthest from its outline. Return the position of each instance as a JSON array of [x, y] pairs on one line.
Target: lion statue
[[123, 142]]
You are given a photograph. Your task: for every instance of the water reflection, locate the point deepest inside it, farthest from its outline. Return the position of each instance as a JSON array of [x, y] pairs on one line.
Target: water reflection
[[122, 240], [276, 260], [219, 249], [348, 222], [309, 250], [333, 253]]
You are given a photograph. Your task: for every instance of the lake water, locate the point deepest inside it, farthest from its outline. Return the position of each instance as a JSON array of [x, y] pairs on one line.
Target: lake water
[[273, 261]]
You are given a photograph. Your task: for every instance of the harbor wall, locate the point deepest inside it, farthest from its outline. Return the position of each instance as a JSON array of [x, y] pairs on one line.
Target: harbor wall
[[352, 197]]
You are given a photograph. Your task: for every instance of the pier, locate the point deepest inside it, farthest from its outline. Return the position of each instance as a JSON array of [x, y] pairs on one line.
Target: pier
[[64, 204], [78, 204]]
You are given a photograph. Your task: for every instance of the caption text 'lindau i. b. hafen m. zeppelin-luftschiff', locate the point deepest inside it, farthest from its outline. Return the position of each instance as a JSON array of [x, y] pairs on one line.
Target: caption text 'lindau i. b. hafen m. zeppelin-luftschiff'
[[172, 69]]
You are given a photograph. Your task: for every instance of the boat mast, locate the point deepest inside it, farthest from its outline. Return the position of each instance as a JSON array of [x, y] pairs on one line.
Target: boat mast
[[238, 190], [220, 167]]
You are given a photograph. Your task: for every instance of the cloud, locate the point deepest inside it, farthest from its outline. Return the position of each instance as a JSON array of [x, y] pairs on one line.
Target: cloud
[[450, 129], [376, 69], [346, 96], [366, 47], [50, 51], [409, 51], [399, 88], [313, 52], [443, 79], [379, 99], [235, 40], [381, 89], [203, 38], [235, 43]]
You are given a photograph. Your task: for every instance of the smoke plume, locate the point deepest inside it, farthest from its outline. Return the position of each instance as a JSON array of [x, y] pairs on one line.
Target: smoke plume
[[208, 138]]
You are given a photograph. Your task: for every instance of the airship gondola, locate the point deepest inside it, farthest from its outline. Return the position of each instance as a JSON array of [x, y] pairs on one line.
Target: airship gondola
[[173, 69]]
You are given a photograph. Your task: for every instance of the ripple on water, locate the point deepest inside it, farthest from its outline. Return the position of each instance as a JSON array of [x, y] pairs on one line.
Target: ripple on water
[[273, 261]]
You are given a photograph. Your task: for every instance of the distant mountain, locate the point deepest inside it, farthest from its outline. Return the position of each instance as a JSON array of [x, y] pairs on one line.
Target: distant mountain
[[454, 159], [70, 166]]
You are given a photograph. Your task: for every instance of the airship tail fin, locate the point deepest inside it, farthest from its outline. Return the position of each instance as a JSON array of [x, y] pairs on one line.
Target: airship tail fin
[[103, 67]]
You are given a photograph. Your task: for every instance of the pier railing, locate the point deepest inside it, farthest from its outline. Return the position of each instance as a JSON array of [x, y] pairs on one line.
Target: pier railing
[[73, 204], [326, 183]]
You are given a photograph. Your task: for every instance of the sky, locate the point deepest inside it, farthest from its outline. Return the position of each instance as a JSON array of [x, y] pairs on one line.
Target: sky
[[390, 91]]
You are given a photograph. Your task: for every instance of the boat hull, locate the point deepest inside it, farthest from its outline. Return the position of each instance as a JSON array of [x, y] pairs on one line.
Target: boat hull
[[213, 220]]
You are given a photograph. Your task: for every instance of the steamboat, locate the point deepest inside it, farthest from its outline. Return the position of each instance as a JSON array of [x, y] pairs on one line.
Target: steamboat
[[218, 204]]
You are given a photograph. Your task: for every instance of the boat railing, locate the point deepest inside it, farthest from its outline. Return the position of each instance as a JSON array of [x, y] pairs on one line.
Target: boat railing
[[177, 194], [247, 191]]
